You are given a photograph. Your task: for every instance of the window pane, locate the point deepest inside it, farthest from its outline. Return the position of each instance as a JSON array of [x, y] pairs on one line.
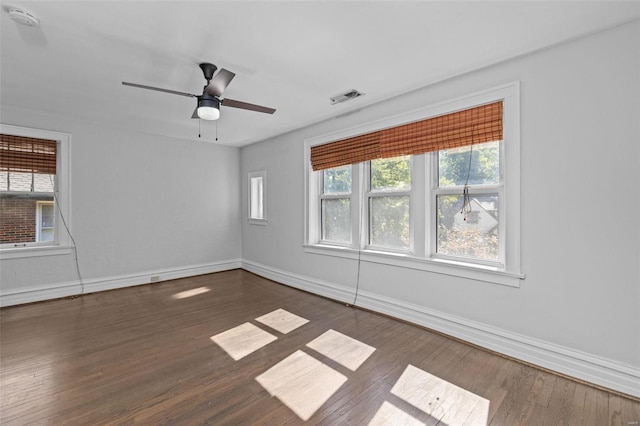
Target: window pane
[[390, 173], [337, 180], [390, 222], [47, 215], [336, 220], [477, 236], [26, 182], [453, 165], [256, 199], [46, 225]]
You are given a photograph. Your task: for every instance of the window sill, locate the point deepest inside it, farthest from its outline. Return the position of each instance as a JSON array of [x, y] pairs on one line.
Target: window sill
[[34, 251], [438, 266]]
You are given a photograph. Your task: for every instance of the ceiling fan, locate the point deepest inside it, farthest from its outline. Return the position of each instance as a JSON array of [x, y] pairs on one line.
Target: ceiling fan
[[209, 102]]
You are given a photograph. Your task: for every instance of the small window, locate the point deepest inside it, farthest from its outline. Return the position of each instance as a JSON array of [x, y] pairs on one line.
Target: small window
[[45, 224], [257, 186]]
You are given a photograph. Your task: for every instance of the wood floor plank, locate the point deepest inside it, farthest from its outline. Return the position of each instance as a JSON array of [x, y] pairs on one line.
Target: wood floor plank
[[623, 411], [144, 355]]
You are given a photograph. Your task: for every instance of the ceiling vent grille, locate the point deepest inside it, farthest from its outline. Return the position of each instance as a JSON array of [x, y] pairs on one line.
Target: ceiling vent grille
[[351, 94]]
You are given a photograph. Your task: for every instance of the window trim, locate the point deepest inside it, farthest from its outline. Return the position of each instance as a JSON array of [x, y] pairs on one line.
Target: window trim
[[254, 220], [510, 273], [61, 243]]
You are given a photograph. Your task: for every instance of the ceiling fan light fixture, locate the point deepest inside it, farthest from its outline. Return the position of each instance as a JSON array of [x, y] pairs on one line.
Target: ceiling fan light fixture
[[208, 108]]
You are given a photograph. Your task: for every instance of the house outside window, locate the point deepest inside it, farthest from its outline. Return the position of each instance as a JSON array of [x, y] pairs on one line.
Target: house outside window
[[453, 210]]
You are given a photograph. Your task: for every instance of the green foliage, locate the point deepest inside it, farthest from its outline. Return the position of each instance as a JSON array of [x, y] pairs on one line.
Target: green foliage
[[390, 222], [453, 165], [337, 180], [390, 173]]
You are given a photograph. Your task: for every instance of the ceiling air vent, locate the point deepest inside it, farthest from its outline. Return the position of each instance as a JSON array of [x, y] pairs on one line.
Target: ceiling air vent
[[351, 94]]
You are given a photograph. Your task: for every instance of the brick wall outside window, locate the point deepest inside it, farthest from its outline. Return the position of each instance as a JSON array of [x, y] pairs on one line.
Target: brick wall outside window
[[18, 220]]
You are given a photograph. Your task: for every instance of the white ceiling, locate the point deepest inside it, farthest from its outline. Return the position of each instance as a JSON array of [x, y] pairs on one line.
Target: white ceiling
[[292, 56]]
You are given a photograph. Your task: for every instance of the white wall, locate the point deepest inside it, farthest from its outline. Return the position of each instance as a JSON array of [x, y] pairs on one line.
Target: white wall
[[141, 205], [578, 310]]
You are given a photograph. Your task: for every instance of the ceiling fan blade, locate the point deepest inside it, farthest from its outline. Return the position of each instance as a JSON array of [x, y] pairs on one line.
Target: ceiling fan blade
[[245, 105], [219, 82], [157, 89], [195, 113]]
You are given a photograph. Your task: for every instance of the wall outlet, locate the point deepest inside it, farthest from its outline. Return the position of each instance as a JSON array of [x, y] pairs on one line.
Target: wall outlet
[[155, 278]]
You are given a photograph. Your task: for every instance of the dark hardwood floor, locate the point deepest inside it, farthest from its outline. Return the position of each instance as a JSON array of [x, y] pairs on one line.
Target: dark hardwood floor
[[192, 351]]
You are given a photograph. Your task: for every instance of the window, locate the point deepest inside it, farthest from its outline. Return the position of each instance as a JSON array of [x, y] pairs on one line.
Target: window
[[468, 221], [257, 183], [45, 221], [388, 201], [335, 205], [436, 189], [34, 192]]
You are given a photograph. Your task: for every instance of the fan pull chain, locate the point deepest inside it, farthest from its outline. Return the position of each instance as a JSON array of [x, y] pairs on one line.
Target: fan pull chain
[[199, 128], [216, 130]]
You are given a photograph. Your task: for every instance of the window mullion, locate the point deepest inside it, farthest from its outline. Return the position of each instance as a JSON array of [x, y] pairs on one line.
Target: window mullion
[[361, 205]]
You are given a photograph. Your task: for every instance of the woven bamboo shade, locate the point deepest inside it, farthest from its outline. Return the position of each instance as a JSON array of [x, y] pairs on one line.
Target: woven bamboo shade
[[461, 128], [27, 155]]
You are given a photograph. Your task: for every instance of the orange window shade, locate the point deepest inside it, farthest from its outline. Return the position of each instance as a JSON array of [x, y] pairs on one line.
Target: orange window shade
[[474, 125], [27, 155]]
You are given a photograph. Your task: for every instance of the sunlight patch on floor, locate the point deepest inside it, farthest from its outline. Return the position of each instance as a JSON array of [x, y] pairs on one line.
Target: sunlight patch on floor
[[282, 321], [440, 399], [242, 340], [302, 383], [190, 293], [344, 350], [389, 414]]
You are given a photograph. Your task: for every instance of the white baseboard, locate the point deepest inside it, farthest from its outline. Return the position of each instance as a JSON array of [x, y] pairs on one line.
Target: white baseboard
[[580, 365], [312, 285], [91, 285]]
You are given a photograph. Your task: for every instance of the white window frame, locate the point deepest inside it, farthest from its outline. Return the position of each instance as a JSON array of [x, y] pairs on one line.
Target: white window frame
[[505, 272], [261, 198], [61, 244]]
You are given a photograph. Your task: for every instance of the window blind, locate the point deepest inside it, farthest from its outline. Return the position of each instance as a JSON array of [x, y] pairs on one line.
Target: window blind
[[27, 155], [461, 128]]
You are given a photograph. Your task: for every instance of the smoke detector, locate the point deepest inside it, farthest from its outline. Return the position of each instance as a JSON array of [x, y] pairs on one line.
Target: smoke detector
[[343, 97], [23, 17]]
